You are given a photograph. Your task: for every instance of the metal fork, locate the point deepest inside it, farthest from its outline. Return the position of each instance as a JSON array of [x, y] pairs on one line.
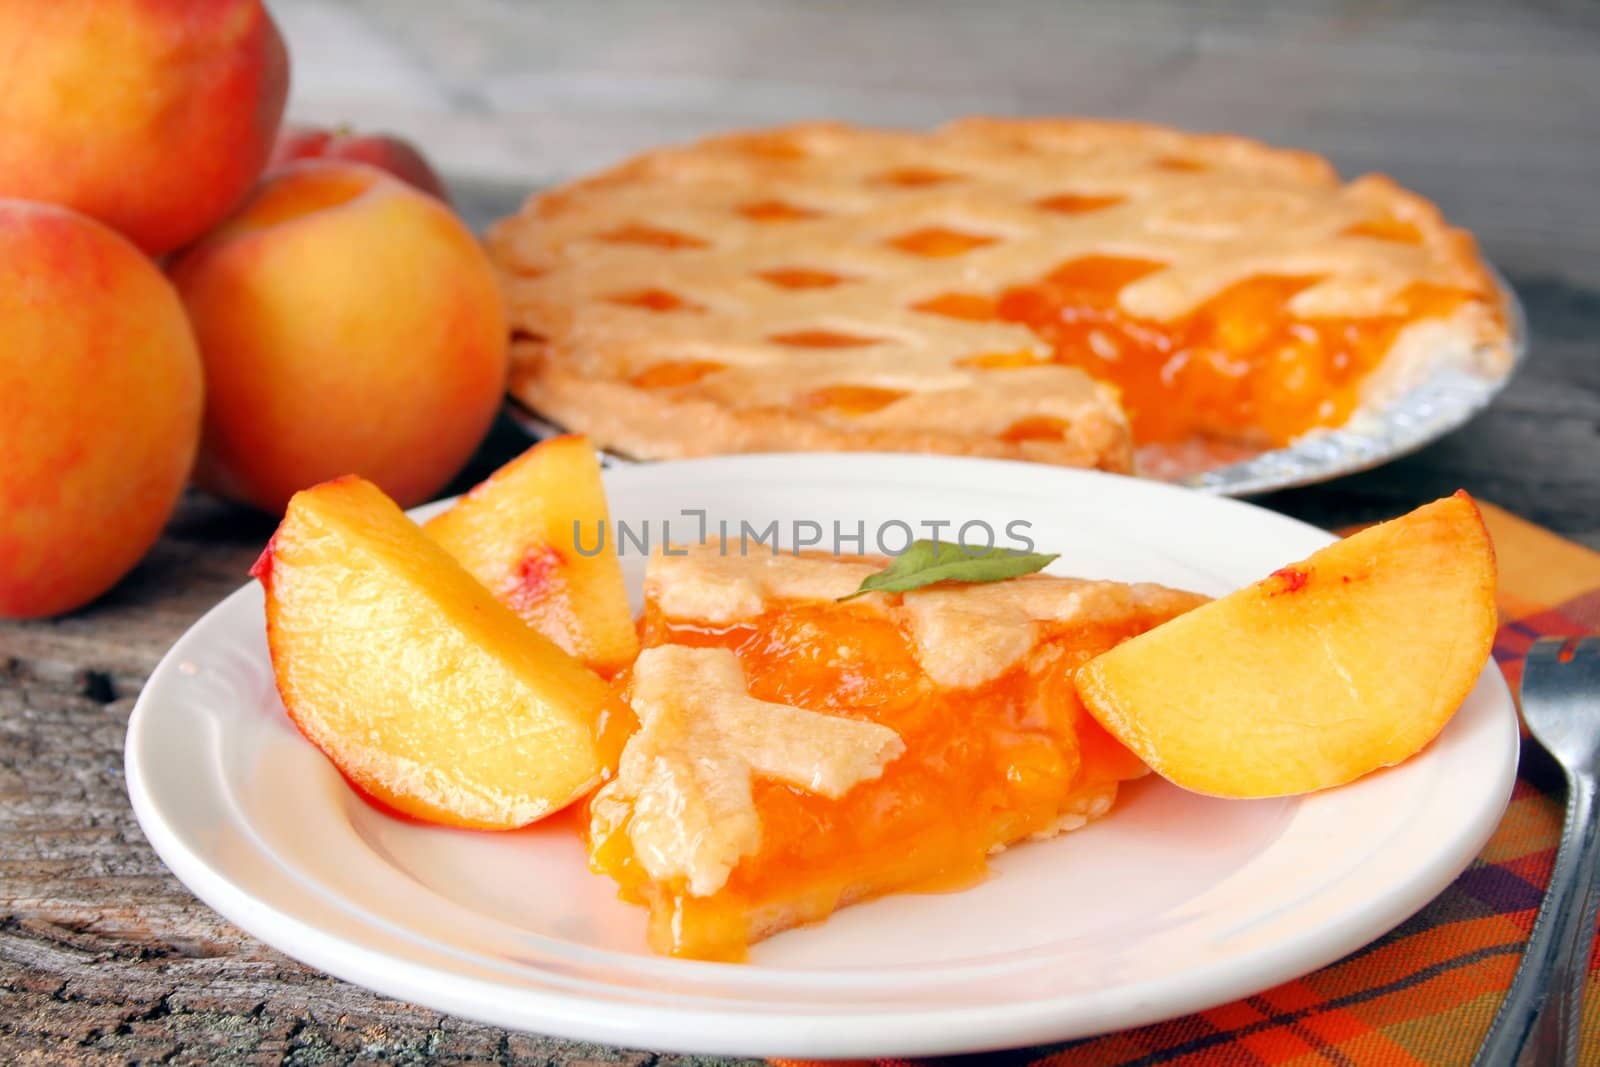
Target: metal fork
[[1540, 1016]]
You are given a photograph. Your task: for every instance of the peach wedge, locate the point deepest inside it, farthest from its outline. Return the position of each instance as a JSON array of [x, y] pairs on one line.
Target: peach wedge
[[1320, 673], [518, 534], [423, 690]]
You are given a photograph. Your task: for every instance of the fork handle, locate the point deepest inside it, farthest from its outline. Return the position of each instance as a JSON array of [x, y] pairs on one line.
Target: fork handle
[[1559, 1029], [1558, 947]]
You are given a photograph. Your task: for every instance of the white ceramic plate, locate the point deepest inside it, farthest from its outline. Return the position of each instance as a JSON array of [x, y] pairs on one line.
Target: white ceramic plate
[[1171, 904]]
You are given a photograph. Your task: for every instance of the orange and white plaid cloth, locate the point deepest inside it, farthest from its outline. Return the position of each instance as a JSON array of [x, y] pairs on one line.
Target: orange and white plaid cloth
[[1425, 992]]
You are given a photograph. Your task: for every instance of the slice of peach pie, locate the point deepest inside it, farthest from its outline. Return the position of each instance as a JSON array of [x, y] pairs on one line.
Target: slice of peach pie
[[773, 752], [796, 754]]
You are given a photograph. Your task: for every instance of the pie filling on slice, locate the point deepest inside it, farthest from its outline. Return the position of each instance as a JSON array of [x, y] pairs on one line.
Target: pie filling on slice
[[1064, 291], [796, 754], [1242, 366]]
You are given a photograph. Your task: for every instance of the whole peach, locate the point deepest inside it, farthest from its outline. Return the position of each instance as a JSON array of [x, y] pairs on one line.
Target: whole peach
[[349, 324], [100, 396], [153, 116], [383, 150]]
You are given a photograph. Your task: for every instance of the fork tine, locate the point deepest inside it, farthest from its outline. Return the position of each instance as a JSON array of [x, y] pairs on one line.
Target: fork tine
[[1587, 649], [1545, 651]]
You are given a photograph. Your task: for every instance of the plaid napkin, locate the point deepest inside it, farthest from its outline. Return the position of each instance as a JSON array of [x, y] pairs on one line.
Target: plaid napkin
[[1425, 992]]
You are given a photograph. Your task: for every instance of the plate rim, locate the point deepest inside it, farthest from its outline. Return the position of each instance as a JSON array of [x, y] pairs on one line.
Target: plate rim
[[817, 1033]]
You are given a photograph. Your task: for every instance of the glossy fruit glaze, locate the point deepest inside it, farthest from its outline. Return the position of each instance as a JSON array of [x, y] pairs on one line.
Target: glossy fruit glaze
[[1240, 366], [983, 767]]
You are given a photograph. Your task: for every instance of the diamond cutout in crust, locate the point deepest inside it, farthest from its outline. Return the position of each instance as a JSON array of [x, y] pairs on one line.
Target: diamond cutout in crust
[[635, 233], [674, 374], [1077, 203], [939, 242], [654, 300], [916, 177], [821, 338], [852, 399], [801, 278], [775, 211], [966, 306]]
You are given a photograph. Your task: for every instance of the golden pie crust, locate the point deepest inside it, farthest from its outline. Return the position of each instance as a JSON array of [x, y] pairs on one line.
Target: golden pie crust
[[771, 290]]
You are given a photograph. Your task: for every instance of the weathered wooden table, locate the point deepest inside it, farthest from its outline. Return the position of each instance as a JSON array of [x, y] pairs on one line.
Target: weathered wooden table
[[1493, 110]]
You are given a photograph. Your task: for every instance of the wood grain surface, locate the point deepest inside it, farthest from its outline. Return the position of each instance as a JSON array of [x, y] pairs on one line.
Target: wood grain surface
[[1489, 108]]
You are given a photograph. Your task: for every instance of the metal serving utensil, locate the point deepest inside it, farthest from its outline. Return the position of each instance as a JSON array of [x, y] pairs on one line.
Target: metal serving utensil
[[1540, 1016]]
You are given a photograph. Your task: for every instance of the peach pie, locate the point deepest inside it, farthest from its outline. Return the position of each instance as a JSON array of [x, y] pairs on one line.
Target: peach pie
[[1051, 290], [795, 754]]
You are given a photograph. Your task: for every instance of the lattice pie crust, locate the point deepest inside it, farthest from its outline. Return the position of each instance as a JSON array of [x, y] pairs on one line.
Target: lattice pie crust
[[746, 292]]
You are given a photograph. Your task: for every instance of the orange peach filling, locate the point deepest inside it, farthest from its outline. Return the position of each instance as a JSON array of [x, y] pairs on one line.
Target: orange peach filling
[[850, 399], [1241, 366], [982, 767]]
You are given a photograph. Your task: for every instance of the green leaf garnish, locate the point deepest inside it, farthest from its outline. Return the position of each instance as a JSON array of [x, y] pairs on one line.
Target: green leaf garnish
[[927, 562]]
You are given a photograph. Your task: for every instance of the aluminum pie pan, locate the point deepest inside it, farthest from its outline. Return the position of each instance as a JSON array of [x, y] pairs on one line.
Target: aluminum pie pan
[[1443, 401]]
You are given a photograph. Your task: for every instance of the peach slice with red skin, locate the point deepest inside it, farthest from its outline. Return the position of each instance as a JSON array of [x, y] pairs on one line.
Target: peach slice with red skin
[[530, 533], [421, 688], [1323, 671]]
